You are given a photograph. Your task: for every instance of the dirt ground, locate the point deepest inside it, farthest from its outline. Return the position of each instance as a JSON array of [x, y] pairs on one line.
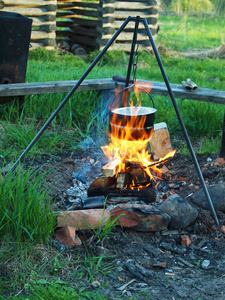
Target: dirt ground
[[153, 265]]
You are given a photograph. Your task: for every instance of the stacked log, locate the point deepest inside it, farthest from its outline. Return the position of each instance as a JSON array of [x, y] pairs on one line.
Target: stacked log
[[115, 12], [80, 26], [43, 14], [77, 23], [90, 25]]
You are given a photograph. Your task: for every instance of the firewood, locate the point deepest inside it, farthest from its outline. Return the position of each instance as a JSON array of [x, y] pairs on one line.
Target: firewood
[[110, 169], [160, 141], [121, 180]]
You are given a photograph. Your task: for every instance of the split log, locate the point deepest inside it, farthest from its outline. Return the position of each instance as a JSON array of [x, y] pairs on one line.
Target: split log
[[85, 12], [106, 186], [45, 28], [64, 32], [44, 18], [123, 47], [106, 10], [46, 42], [41, 22], [78, 4], [110, 169], [2, 4], [30, 12], [39, 35], [65, 23], [127, 5], [32, 3], [146, 13], [84, 31], [152, 20], [160, 141], [78, 50], [121, 181], [41, 45], [85, 22], [105, 30], [23, 3], [126, 36]]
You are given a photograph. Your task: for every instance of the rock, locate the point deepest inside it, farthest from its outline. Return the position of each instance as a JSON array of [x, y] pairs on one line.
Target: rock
[[185, 240], [217, 194], [181, 211], [222, 229], [210, 172], [141, 217], [84, 219], [219, 161], [205, 263], [67, 235], [85, 144]]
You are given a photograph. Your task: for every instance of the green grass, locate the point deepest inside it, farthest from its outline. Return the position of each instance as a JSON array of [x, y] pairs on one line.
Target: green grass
[[186, 32], [42, 272], [25, 214]]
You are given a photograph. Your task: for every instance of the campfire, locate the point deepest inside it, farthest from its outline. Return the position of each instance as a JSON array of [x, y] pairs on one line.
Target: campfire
[[131, 167]]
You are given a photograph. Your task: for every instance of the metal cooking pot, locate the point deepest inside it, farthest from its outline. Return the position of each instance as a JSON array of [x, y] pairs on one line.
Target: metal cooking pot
[[120, 117]]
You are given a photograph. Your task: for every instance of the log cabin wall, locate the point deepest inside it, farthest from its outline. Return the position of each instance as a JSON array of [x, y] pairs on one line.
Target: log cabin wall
[[90, 25], [43, 14], [80, 26], [117, 11], [77, 25]]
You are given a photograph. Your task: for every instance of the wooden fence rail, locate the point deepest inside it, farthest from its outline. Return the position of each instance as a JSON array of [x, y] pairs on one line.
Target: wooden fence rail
[[158, 88]]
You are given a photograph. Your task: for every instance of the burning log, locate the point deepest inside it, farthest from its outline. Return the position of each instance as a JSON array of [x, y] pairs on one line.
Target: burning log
[[122, 180], [110, 169], [106, 186]]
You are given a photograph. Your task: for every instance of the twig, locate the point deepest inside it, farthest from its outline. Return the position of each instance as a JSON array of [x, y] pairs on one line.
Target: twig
[[125, 285]]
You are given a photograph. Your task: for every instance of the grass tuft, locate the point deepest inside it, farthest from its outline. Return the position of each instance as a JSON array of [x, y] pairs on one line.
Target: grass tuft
[[25, 211]]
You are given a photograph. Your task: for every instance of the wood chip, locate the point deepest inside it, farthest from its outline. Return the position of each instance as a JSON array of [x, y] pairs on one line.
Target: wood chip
[[125, 285], [185, 262]]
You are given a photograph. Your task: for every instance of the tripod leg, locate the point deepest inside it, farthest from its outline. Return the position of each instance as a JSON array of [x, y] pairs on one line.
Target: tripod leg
[[38, 135], [181, 121], [134, 42]]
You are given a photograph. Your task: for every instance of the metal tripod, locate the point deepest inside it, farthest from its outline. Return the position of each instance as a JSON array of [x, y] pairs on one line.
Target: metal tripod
[[137, 20]]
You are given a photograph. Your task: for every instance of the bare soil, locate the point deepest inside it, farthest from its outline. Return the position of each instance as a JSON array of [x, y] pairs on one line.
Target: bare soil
[[155, 265]]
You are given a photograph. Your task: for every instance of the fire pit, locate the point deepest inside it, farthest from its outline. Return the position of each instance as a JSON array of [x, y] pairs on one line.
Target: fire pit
[[131, 171]]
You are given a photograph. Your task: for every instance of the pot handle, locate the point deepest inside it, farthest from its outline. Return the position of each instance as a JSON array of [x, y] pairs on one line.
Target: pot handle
[[123, 79]]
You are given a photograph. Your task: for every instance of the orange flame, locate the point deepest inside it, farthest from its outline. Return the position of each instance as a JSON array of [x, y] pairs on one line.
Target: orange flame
[[129, 141]]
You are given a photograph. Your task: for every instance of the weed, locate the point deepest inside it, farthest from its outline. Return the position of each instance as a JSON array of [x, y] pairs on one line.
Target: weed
[[197, 263], [57, 266], [105, 229]]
